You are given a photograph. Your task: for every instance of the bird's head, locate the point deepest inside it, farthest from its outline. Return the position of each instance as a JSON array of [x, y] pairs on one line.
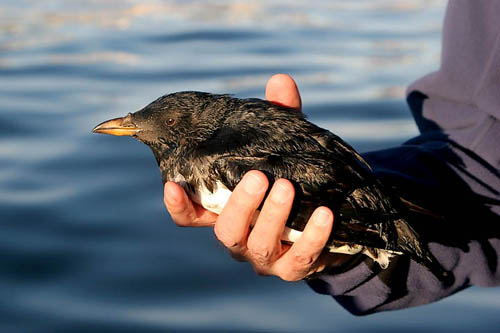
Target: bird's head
[[170, 121]]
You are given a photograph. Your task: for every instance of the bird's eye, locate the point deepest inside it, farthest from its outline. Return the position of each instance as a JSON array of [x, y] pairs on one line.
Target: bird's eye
[[170, 121]]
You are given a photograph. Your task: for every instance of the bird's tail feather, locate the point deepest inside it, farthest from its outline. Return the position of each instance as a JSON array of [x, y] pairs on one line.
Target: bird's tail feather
[[391, 232]]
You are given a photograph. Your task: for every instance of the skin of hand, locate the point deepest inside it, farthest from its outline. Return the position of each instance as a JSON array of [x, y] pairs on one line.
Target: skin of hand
[[261, 245]]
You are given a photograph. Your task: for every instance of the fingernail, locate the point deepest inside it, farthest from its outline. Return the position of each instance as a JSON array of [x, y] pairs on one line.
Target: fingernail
[[280, 193], [322, 217], [253, 184]]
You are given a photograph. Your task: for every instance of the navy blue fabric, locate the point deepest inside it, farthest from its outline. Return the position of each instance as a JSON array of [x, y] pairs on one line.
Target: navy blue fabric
[[435, 173]]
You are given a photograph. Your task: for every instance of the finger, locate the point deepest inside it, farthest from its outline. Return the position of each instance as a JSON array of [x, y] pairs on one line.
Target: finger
[[281, 89], [184, 212], [264, 244], [301, 259], [233, 223]]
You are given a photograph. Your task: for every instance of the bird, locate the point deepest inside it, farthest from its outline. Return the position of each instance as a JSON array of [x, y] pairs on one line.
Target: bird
[[206, 143]]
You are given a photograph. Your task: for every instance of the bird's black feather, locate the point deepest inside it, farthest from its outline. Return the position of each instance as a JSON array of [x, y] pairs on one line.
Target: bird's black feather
[[220, 138]]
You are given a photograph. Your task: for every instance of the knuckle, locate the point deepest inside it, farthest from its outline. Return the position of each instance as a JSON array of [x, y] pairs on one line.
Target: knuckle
[[302, 260], [226, 239], [289, 276], [233, 245], [261, 255], [238, 256]]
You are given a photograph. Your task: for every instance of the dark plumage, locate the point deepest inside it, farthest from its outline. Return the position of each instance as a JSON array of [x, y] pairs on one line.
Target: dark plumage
[[200, 139]]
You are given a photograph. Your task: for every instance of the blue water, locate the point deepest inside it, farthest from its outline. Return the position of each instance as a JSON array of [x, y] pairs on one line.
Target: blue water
[[86, 244]]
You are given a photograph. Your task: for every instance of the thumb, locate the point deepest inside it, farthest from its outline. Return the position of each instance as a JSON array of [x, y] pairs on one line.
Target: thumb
[[281, 89]]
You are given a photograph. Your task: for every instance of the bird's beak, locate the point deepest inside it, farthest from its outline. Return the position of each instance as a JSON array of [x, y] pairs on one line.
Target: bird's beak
[[118, 126]]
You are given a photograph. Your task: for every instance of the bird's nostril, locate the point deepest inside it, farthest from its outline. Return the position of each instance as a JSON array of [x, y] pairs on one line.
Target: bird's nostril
[[127, 121]]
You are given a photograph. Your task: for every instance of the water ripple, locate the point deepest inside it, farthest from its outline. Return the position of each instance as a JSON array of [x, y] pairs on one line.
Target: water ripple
[[87, 245]]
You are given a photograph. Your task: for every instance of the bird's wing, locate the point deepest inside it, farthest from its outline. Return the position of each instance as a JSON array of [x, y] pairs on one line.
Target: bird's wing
[[334, 143], [316, 179], [364, 214], [325, 170]]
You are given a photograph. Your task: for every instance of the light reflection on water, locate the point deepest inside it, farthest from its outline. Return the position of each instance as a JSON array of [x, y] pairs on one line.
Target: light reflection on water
[[87, 244]]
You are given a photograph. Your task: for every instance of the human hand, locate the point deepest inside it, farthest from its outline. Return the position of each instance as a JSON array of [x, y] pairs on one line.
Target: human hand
[[261, 245]]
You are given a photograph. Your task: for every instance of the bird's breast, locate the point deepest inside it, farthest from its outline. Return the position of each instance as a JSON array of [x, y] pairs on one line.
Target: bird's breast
[[214, 200]]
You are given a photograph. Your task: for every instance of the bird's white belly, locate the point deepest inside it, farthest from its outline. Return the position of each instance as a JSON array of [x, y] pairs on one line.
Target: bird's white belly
[[212, 201], [216, 200]]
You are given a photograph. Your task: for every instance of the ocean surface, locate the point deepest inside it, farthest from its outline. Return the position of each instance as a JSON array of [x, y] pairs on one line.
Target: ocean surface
[[86, 244]]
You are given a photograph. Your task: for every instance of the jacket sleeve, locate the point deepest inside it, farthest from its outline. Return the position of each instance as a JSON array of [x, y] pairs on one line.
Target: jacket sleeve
[[443, 177]]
